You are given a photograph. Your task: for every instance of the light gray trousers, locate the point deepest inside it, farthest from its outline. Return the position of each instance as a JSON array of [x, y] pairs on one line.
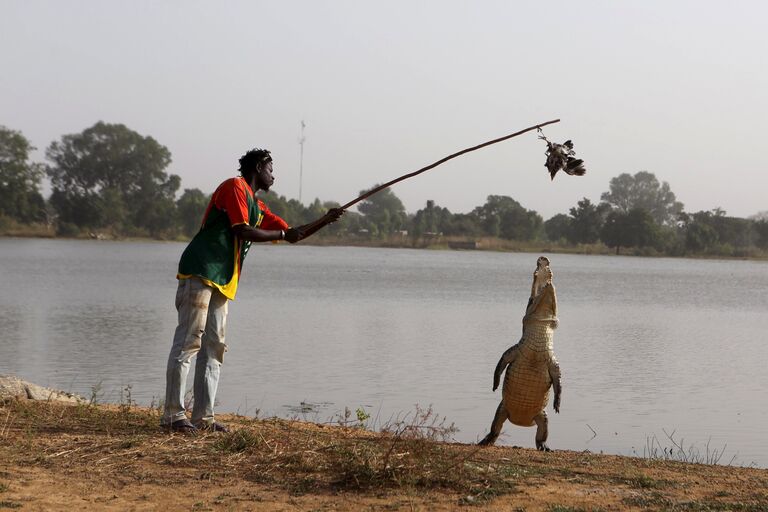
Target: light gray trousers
[[202, 319]]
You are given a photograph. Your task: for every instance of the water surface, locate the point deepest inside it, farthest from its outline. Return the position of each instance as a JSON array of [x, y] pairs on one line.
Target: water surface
[[646, 345]]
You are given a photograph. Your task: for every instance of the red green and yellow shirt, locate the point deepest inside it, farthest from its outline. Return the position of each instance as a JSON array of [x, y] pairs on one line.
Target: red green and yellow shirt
[[215, 254]]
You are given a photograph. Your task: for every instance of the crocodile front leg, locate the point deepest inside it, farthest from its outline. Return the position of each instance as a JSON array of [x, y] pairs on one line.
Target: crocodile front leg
[[554, 374], [507, 358], [496, 424]]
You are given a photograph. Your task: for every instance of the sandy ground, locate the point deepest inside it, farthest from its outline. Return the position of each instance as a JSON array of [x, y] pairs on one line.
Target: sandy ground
[[58, 457]]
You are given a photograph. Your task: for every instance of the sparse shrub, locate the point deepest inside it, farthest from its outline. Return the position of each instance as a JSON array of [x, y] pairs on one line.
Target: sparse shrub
[[677, 450], [236, 441]]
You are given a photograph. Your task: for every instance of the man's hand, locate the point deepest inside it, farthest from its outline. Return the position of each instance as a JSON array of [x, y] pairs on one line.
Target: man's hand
[[293, 235], [333, 215], [296, 234]]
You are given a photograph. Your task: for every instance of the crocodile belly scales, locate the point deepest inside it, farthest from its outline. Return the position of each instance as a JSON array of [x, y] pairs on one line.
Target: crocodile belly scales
[[527, 381]]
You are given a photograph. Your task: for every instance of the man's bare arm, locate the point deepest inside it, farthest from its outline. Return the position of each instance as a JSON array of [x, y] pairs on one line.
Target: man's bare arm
[[251, 234]]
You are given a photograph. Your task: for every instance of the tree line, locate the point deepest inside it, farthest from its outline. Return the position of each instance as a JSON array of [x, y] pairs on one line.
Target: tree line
[[109, 179]]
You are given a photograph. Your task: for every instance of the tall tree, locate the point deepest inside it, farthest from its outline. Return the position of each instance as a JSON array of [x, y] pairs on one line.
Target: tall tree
[[291, 210], [190, 208], [643, 191], [714, 231], [586, 222], [504, 217], [384, 211], [761, 233], [109, 175], [430, 220], [20, 196], [463, 224], [636, 228], [558, 227]]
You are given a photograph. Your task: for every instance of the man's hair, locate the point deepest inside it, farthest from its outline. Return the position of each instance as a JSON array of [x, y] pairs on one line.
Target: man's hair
[[253, 158]]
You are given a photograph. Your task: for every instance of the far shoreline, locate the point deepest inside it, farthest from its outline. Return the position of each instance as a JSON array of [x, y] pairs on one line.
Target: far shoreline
[[480, 244]]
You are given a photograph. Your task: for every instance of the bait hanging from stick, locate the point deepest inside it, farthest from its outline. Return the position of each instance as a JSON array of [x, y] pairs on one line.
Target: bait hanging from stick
[[559, 156], [562, 157]]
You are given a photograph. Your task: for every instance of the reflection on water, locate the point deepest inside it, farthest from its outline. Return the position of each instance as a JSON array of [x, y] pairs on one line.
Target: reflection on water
[[645, 344]]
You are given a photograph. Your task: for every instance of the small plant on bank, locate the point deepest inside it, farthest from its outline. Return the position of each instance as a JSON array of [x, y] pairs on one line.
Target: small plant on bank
[[345, 419], [421, 424], [362, 417], [126, 399], [96, 393], [410, 457], [678, 451]]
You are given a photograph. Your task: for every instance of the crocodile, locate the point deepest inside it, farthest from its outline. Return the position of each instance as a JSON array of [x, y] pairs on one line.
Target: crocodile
[[531, 366]]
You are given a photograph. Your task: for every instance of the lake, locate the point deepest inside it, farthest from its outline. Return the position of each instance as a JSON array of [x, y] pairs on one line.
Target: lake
[[648, 346]]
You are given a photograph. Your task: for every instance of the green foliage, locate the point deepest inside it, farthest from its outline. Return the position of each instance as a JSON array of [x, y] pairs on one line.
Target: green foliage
[[190, 208], [20, 197], [761, 233], [289, 209], [713, 232], [635, 228], [111, 176], [362, 417], [463, 224], [384, 211], [67, 229], [643, 191], [586, 222], [430, 221], [558, 227], [699, 236], [502, 216]]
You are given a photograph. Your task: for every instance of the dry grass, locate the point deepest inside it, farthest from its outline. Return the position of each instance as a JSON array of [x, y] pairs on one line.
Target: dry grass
[[297, 456], [118, 455]]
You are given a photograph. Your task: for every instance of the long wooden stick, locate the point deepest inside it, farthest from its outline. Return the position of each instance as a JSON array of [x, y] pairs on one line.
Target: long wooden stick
[[443, 160], [311, 228]]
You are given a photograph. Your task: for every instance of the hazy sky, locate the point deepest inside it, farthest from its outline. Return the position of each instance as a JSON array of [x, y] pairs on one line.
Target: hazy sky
[[678, 88]]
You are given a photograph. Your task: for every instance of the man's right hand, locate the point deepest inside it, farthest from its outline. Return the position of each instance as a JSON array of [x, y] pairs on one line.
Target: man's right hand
[[293, 235]]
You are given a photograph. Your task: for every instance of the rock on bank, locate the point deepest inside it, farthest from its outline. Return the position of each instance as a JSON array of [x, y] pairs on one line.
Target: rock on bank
[[14, 388]]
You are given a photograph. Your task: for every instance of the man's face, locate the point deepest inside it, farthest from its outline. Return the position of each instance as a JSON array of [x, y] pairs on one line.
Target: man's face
[[264, 176]]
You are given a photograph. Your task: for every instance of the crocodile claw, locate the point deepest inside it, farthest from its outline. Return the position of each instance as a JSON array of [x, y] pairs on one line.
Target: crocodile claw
[[488, 440]]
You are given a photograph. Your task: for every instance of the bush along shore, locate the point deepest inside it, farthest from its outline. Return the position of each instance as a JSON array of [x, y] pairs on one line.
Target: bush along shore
[[432, 243], [58, 455]]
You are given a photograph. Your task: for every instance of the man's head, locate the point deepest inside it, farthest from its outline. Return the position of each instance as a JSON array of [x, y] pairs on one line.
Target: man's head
[[256, 165]]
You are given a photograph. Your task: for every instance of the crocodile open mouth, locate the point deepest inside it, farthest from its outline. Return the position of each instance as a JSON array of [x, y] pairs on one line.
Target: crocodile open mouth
[[542, 276]]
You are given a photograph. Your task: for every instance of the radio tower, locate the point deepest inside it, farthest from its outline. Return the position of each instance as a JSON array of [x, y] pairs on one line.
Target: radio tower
[[301, 157]]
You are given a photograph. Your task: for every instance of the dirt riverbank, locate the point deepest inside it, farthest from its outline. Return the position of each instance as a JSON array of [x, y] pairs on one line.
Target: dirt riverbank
[[56, 456]]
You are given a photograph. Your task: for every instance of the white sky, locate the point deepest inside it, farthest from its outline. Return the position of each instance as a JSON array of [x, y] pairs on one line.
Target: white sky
[[678, 88]]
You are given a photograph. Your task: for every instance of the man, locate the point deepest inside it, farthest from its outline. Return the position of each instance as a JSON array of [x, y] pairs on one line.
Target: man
[[208, 275]]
